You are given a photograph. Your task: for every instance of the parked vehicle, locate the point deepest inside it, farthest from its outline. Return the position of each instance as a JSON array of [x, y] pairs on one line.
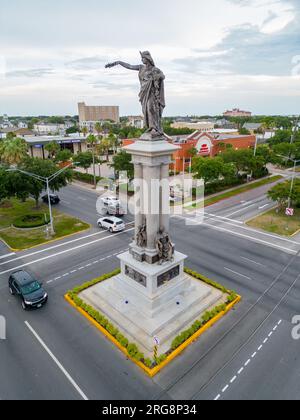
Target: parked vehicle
[[28, 289], [54, 199], [112, 224]]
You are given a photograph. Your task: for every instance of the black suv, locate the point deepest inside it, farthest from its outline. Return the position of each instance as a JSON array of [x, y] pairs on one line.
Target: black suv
[[28, 289], [54, 199]]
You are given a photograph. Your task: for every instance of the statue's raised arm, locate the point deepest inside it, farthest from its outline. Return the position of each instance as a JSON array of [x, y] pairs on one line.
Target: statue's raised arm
[[152, 93], [125, 65]]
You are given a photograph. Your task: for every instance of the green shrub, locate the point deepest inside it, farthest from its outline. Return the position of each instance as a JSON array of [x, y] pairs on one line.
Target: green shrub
[[87, 178], [29, 221], [148, 363]]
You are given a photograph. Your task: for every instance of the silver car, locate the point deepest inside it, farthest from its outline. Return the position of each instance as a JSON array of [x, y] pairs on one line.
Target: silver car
[[112, 224]]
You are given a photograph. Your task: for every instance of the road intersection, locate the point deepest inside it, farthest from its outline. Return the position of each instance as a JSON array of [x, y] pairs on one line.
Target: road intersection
[[56, 354]]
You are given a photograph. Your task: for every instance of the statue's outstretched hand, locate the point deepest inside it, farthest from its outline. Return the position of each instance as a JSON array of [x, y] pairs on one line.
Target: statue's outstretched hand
[[110, 65]]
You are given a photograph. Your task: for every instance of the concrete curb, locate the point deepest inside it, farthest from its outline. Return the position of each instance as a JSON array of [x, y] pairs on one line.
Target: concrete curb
[[47, 242]]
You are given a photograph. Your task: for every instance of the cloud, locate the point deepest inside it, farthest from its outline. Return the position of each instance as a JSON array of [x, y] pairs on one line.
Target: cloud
[[86, 63], [30, 73]]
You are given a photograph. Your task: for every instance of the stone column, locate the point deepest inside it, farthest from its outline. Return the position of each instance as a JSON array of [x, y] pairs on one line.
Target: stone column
[[138, 186], [165, 198], [152, 204]]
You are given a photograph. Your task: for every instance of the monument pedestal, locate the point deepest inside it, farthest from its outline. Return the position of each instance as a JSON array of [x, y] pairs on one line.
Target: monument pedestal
[[147, 301]]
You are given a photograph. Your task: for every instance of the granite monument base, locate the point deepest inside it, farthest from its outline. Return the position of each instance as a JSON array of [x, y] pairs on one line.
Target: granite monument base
[[147, 301]]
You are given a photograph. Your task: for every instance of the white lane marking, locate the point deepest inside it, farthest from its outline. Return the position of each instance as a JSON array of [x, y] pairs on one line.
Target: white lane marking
[[65, 251], [241, 235], [263, 207], [217, 397], [279, 322], [253, 262], [7, 255], [246, 364], [271, 333], [225, 389], [224, 218], [265, 340], [89, 265], [60, 366], [240, 227], [239, 211], [53, 247], [275, 328], [239, 274]]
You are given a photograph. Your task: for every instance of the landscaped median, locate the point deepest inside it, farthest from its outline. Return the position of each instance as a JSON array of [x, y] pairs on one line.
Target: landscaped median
[[209, 201], [276, 221], [23, 226], [131, 350]]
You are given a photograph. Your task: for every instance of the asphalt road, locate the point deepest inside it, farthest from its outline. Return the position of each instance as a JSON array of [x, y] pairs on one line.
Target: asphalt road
[[55, 354]]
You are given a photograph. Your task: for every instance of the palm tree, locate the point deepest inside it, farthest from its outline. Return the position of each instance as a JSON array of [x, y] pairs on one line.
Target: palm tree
[[98, 128], [52, 148], [92, 141], [84, 131], [13, 150]]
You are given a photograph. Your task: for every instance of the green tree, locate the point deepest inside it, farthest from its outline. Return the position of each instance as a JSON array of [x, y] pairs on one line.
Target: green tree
[[64, 155], [92, 142], [281, 193], [52, 148], [72, 130], [13, 151], [212, 169], [122, 162], [244, 132], [98, 128], [84, 131], [44, 168], [84, 160], [4, 190]]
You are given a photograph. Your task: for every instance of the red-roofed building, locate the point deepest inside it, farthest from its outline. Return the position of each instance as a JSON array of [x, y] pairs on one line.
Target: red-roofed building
[[206, 144]]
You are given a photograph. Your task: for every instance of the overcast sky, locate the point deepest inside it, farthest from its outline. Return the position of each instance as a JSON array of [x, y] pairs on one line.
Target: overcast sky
[[216, 54]]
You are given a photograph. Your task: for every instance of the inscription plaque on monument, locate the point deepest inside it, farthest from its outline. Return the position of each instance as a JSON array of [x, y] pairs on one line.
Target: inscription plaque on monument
[[136, 276], [168, 276]]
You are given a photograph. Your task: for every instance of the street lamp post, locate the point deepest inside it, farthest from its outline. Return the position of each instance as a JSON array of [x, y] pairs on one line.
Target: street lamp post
[[293, 177], [47, 181]]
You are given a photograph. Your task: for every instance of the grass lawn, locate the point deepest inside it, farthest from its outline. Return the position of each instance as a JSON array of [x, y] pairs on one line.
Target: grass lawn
[[277, 222], [26, 238], [244, 188]]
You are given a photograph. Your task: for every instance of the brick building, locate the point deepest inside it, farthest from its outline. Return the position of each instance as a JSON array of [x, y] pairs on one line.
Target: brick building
[[206, 145]]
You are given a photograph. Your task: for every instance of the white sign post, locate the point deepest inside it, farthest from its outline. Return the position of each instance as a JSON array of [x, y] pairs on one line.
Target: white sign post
[[289, 212]]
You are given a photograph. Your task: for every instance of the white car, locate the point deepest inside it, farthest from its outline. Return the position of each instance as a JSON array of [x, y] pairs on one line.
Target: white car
[[112, 224], [110, 201]]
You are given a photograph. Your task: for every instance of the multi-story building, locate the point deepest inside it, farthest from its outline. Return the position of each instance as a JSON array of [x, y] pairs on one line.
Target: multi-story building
[[51, 129], [236, 112], [136, 122], [90, 115], [203, 126]]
